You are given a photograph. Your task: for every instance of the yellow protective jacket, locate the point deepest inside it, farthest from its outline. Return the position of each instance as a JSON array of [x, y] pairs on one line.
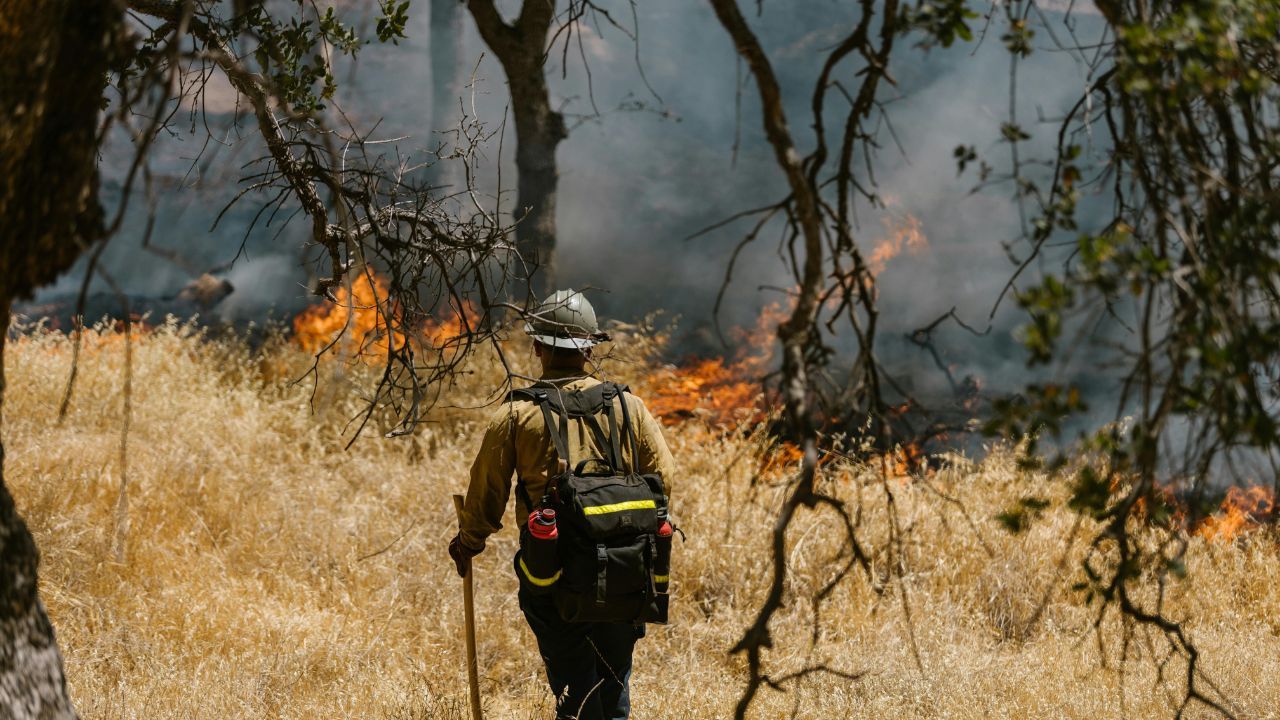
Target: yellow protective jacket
[[517, 442]]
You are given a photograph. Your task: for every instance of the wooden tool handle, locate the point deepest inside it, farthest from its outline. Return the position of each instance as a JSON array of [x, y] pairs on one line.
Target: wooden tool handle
[[468, 603]]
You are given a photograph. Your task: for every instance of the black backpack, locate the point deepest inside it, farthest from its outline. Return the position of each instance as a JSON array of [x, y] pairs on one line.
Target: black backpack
[[609, 562]]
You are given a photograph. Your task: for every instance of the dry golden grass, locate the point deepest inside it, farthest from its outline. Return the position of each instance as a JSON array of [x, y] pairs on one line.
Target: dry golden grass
[[269, 573]]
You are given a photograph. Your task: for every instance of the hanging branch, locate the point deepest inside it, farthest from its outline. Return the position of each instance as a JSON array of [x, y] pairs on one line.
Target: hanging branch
[[442, 255], [830, 273]]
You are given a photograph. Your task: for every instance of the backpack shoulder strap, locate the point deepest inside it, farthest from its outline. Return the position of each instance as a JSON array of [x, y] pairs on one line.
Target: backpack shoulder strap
[[558, 406], [609, 392], [549, 402], [628, 427], [532, 394]]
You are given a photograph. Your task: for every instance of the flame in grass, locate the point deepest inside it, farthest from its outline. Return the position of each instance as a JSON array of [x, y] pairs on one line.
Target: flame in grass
[[782, 457], [904, 462], [103, 338], [728, 393], [361, 312], [723, 391], [448, 333], [1242, 509]]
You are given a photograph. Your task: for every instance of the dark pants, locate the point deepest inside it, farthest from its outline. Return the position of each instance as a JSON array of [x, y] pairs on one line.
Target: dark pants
[[588, 664]]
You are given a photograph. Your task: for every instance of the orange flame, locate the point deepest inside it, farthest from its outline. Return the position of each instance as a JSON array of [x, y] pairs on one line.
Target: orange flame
[[904, 232], [783, 457], [360, 312], [723, 391], [780, 458], [447, 332], [363, 313], [1241, 511], [903, 462]]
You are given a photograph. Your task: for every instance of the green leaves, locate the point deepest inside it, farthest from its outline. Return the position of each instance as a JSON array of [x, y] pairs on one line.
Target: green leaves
[[1017, 39], [1038, 409], [296, 51], [1198, 49], [1045, 303], [1090, 493], [1009, 132], [395, 15], [941, 21]]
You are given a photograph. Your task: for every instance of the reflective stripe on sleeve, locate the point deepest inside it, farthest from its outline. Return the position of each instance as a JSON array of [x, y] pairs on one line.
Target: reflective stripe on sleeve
[[540, 582], [619, 507], [662, 578]]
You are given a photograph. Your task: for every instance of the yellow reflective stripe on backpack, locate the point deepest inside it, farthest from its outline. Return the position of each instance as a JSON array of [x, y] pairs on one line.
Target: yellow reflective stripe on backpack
[[540, 582], [662, 578], [619, 507]]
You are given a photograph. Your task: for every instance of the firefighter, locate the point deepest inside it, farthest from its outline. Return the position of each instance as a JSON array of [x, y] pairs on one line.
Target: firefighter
[[588, 664]]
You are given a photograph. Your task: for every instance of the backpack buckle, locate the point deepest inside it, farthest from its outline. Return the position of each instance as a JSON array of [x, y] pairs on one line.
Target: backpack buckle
[[602, 574]]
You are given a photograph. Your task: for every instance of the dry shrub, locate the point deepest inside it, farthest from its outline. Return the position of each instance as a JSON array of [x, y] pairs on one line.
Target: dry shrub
[[270, 573]]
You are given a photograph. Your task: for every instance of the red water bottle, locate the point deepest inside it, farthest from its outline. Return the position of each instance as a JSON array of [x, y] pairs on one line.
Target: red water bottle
[[662, 565], [542, 524], [539, 560]]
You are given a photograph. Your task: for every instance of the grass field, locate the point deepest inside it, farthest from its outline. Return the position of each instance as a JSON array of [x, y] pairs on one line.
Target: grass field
[[256, 569]]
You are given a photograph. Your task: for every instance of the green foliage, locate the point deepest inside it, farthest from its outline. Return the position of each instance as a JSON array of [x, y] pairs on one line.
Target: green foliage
[[941, 22], [1038, 409], [1017, 39], [296, 51], [1193, 247], [964, 154], [1045, 303], [291, 44], [1198, 49], [1010, 132], [395, 15], [1184, 275], [1090, 493]]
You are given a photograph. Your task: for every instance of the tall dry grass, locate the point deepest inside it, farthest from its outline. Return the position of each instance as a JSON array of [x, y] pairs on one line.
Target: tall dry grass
[[266, 572]]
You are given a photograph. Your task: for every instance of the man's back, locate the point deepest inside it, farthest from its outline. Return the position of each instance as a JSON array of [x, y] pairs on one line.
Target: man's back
[[517, 441]]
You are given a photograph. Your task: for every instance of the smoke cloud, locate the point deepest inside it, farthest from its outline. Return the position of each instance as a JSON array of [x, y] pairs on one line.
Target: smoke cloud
[[646, 173]]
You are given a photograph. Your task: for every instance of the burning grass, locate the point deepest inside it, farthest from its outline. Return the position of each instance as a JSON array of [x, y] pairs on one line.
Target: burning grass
[[270, 574], [358, 315], [363, 323]]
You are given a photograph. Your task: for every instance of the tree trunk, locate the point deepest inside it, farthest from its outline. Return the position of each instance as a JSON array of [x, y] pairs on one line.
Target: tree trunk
[[446, 63], [521, 48], [53, 59], [539, 130], [32, 684]]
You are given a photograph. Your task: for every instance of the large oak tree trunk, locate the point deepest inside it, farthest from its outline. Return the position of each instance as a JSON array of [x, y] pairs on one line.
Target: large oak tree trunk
[[521, 48], [53, 60]]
